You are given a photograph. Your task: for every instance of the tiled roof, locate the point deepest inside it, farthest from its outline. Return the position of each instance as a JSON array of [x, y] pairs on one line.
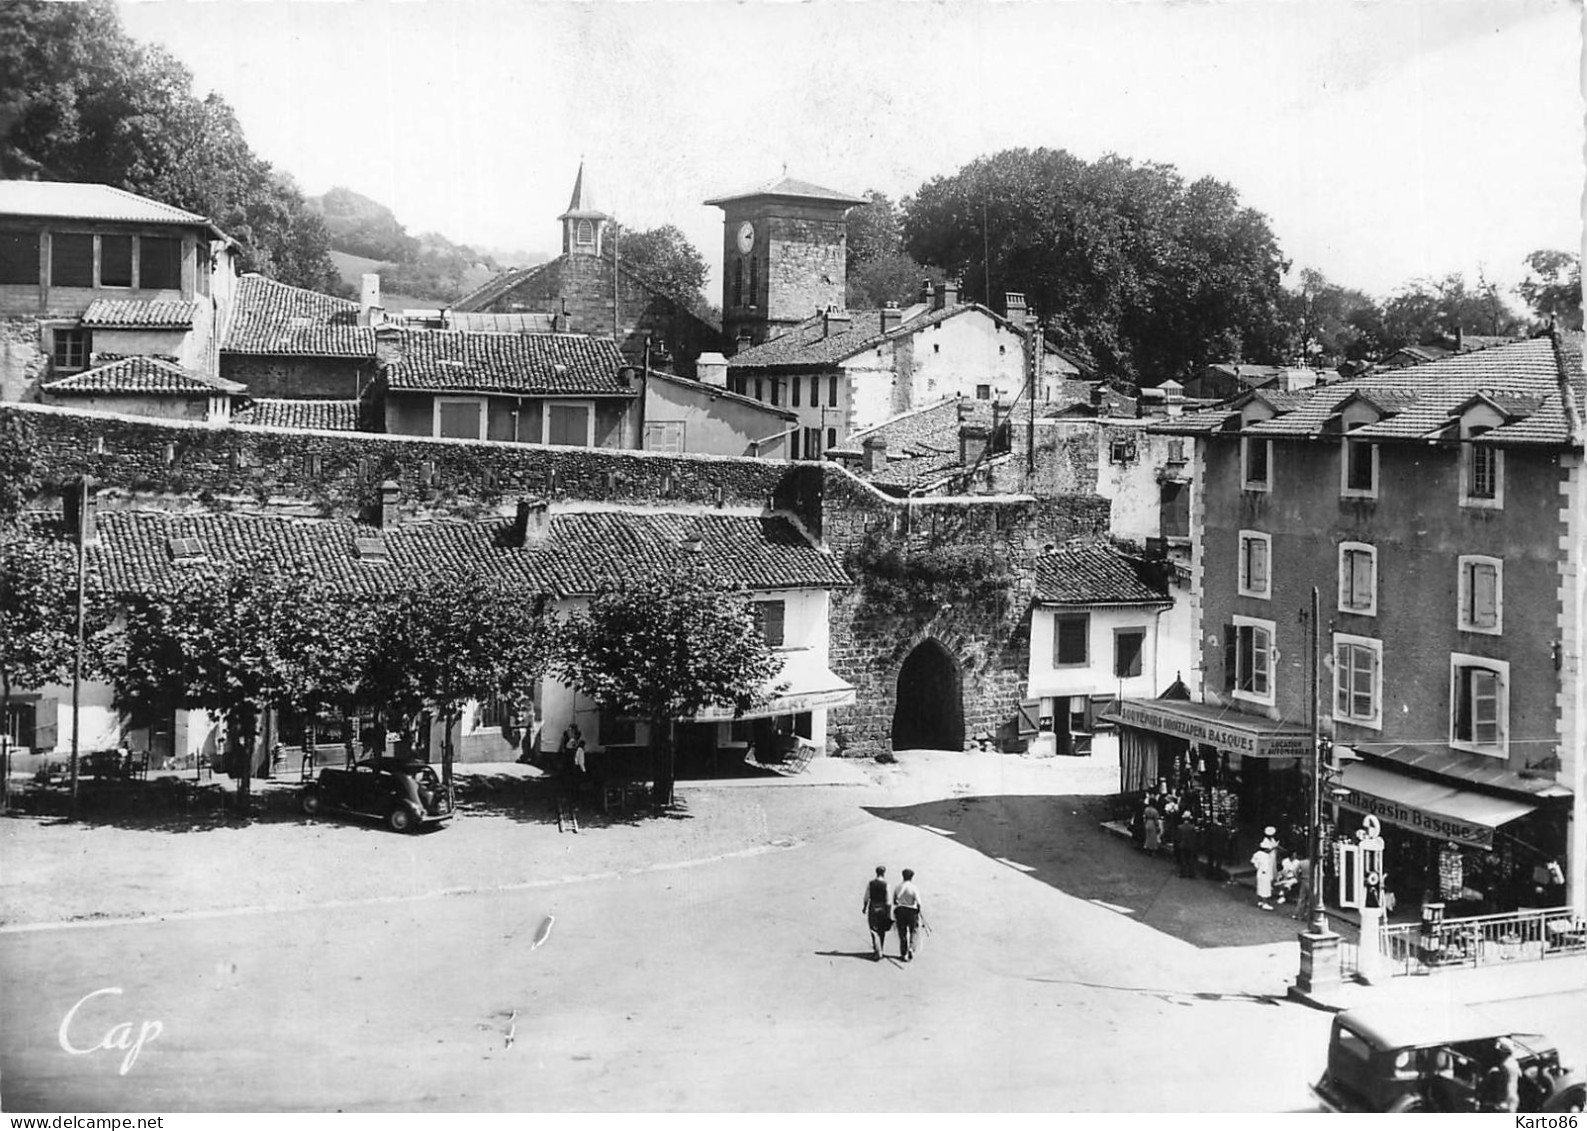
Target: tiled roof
[[106, 313], [933, 428], [141, 375], [73, 201], [927, 469], [1094, 573], [1420, 398], [580, 551], [324, 416], [517, 322], [525, 364], [789, 187], [273, 318], [492, 289]]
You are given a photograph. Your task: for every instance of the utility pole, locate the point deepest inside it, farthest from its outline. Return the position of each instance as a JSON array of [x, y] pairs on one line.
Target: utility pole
[[1038, 346], [1319, 946], [84, 487]]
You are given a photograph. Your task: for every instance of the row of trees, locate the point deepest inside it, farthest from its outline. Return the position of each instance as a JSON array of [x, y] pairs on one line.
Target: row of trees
[[81, 100], [233, 639], [1149, 277]]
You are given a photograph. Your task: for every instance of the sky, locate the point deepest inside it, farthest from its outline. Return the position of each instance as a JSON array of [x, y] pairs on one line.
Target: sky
[[1385, 141]]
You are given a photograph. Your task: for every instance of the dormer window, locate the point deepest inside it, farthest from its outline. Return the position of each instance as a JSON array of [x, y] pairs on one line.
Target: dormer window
[[1482, 476], [1359, 475], [185, 549], [1256, 457], [584, 233]]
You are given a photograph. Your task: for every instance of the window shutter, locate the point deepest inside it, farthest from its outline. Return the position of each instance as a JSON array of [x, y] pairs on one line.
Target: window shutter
[[1484, 594], [1361, 579], [46, 728], [1258, 565], [769, 617], [1231, 657]]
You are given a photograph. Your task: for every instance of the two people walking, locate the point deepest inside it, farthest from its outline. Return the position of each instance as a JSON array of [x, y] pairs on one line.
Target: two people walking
[[883, 909]]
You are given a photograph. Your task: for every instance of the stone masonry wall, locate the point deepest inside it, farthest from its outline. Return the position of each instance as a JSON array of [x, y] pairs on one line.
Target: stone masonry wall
[[23, 362]]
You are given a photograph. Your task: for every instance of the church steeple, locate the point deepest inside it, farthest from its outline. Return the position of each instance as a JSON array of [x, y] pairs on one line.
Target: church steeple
[[583, 225]]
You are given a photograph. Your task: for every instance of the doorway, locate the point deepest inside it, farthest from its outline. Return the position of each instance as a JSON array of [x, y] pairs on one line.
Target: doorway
[[929, 714]]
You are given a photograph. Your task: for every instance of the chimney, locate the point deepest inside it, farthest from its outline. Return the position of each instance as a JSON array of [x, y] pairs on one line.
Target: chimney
[[966, 409], [1097, 399], [946, 295], [1014, 308], [1460, 338], [532, 522], [711, 369], [388, 504], [743, 343], [1173, 397], [875, 448], [891, 316], [369, 309], [927, 288], [972, 443], [834, 322]]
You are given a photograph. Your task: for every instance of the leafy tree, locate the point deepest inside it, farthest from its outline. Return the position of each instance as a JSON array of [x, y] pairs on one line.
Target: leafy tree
[[324, 637], [1435, 311], [1133, 269], [1552, 288], [663, 257], [80, 100], [38, 618], [19, 466], [361, 226], [1328, 322], [879, 270], [446, 639], [663, 647]]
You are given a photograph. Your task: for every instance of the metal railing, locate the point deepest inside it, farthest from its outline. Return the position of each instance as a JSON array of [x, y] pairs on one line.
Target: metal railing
[[1483, 940]]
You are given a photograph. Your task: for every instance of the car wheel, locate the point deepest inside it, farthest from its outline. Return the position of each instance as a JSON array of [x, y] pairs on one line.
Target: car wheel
[[1571, 1100], [402, 820], [1409, 1103], [312, 802]]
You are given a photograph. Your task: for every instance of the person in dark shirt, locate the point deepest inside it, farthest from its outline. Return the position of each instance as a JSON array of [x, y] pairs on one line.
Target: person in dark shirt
[[878, 911]]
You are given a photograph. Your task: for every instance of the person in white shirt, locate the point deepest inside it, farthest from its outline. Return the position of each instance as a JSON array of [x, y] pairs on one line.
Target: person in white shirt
[[906, 913]]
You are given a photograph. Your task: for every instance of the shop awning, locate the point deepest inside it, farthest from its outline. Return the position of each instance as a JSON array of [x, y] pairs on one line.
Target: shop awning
[[1433, 809], [1246, 735], [810, 684]]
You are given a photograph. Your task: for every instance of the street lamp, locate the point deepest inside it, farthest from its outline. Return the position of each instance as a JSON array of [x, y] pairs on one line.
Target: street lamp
[[1319, 946]]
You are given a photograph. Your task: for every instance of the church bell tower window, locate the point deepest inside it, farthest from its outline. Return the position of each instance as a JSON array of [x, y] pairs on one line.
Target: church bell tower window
[[584, 233]]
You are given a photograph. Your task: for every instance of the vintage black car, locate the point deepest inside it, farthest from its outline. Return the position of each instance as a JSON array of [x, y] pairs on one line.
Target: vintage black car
[[407, 795], [1435, 1058]]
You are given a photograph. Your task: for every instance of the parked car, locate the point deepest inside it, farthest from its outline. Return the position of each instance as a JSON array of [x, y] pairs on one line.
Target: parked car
[[407, 795], [1435, 1058]]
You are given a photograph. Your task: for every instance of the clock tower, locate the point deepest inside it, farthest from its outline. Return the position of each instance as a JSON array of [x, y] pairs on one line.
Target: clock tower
[[784, 256]]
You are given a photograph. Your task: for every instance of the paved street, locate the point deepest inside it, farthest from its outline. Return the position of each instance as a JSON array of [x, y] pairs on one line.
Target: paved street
[[741, 981]]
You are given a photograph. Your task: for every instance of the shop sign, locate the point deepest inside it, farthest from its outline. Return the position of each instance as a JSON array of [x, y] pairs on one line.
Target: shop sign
[[1238, 739], [1419, 820]]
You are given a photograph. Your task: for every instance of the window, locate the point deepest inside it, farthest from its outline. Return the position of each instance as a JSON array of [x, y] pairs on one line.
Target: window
[[1070, 639], [1358, 680], [1254, 577], [1360, 470], [795, 386], [1173, 512], [115, 261], [1121, 451], [584, 233], [832, 437], [19, 258], [1358, 578], [1128, 644], [1479, 704], [33, 724], [754, 281], [1482, 478], [760, 392], [738, 283], [1253, 659], [459, 419], [769, 617], [815, 392], [496, 712], [71, 260], [983, 392], [1481, 595], [1256, 457], [159, 263], [1176, 451], [776, 391], [570, 424], [832, 392], [70, 347], [812, 443]]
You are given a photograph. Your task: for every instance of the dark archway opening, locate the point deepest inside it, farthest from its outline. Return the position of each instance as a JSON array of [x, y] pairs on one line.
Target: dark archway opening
[[930, 714]]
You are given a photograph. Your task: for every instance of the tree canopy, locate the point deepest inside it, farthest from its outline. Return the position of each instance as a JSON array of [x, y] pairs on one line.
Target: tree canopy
[[879, 270], [664, 647], [80, 100], [1135, 270], [663, 257], [1552, 288]]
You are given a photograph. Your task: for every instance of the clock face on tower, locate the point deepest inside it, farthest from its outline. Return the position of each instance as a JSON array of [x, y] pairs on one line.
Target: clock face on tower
[[746, 237]]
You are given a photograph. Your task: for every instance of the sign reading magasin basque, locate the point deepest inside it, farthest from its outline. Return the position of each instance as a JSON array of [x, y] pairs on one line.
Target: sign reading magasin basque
[[1419, 820], [1182, 721]]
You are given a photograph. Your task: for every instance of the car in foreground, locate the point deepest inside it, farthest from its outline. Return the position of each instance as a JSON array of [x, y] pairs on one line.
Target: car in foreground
[[1436, 1059], [406, 795]]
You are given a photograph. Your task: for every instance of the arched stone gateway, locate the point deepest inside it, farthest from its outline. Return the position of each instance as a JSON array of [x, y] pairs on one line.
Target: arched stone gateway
[[930, 710]]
